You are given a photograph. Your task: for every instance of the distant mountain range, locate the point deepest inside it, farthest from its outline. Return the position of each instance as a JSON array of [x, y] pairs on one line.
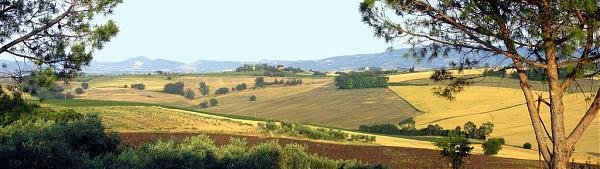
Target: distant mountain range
[[386, 60]]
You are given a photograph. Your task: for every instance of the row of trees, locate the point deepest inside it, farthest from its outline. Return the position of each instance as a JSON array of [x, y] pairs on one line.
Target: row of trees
[[300, 130], [408, 128], [359, 80]]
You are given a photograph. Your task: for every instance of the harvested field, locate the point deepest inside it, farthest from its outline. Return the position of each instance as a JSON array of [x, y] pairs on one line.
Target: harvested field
[[395, 157], [318, 104], [502, 106]]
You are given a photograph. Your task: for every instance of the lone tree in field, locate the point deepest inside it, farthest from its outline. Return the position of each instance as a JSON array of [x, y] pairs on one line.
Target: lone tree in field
[[204, 89], [60, 35], [554, 36]]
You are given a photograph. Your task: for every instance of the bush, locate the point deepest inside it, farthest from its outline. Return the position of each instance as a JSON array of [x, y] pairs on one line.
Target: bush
[[455, 148], [138, 86], [259, 82], [85, 85], [69, 95], [241, 87], [253, 98], [174, 88], [492, 146], [79, 90], [204, 104], [189, 94], [213, 102], [222, 90], [527, 146]]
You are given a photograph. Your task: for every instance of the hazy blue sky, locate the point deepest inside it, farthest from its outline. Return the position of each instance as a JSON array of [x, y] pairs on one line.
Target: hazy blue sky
[[247, 30]]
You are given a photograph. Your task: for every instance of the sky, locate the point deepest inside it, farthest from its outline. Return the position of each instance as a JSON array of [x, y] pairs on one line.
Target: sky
[[239, 30]]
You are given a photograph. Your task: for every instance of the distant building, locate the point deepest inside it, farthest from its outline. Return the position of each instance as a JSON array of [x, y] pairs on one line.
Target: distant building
[[280, 67], [369, 68]]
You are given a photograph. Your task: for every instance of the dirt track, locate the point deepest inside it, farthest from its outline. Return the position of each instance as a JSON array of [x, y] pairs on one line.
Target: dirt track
[[395, 157]]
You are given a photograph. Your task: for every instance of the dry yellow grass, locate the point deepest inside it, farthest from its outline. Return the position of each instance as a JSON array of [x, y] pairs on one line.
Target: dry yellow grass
[[316, 101], [319, 104], [155, 119], [502, 106], [424, 75]]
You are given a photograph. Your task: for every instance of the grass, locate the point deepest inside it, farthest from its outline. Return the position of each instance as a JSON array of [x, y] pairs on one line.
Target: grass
[[131, 118], [316, 101]]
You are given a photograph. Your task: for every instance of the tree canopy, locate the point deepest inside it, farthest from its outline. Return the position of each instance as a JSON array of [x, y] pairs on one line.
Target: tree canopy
[[61, 35]]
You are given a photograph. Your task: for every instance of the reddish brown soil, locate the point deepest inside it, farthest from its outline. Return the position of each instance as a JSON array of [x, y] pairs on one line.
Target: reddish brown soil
[[394, 157]]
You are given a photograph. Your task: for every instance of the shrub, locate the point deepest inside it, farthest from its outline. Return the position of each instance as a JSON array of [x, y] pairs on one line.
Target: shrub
[[455, 148], [253, 98], [492, 146], [204, 104], [213, 102], [79, 90], [241, 87], [527, 146], [138, 86], [69, 95], [259, 82], [222, 90], [85, 85], [174, 88], [125, 86], [189, 94]]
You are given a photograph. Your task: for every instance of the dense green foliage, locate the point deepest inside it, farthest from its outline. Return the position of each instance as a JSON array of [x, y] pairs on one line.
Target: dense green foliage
[[138, 86], [492, 146], [204, 88], [527, 146], [222, 90], [268, 70], [174, 88], [60, 35], [189, 94], [300, 130], [470, 129], [361, 80]]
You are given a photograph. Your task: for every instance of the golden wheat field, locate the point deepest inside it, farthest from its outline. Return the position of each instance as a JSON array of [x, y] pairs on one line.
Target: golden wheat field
[[502, 106], [319, 104], [425, 75], [156, 119], [316, 101]]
